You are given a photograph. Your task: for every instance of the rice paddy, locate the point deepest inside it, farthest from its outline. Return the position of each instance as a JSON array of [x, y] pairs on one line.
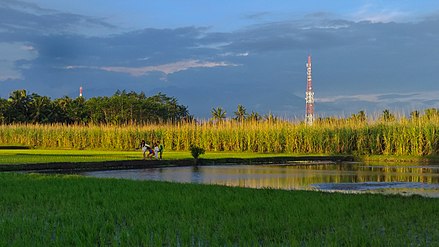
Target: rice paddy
[[41, 210]]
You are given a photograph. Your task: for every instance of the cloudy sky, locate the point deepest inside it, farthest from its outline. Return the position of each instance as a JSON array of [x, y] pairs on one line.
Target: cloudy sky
[[367, 55]]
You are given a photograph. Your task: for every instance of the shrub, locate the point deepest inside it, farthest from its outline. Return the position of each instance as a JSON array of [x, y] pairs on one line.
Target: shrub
[[196, 151]]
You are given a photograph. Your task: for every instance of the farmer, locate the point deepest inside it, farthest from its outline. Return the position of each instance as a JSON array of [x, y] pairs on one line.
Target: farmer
[[156, 151], [161, 148], [150, 151], [144, 147]]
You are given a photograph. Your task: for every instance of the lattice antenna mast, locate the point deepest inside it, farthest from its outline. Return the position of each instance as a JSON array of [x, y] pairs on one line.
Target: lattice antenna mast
[[309, 99]]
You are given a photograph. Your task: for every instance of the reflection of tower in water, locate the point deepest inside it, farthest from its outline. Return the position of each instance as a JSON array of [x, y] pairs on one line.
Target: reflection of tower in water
[[309, 99]]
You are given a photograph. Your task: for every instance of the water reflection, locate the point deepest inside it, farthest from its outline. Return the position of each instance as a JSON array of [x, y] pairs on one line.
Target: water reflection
[[314, 176]]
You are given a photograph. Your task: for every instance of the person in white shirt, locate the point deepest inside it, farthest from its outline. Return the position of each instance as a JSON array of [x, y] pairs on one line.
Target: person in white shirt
[[156, 150]]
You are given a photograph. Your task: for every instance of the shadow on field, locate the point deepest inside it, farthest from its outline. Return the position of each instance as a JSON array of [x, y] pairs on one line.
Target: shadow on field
[[15, 147], [61, 155], [140, 164]]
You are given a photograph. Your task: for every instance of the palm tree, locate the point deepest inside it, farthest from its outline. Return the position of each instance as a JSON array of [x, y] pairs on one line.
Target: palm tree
[[218, 114], [61, 109], [19, 109], [4, 106], [78, 111], [270, 117], [254, 116], [387, 116], [360, 116], [414, 115], [40, 108], [240, 113]]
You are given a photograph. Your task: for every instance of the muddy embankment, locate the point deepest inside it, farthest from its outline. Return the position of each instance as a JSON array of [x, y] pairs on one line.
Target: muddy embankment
[[141, 164]]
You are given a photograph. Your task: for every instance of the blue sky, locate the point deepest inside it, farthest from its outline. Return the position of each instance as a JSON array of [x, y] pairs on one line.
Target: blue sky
[[367, 55]]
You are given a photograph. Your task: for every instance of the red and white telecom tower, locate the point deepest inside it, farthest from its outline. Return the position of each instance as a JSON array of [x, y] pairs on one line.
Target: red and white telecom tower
[[309, 99], [80, 91]]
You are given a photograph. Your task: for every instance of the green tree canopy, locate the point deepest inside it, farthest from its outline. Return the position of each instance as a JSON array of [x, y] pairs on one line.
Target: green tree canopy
[[218, 114], [241, 113], [120, 108]]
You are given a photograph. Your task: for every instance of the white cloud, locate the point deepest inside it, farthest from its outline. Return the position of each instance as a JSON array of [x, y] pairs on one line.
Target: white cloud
[[376, 15], [242, 54], [325, 27], [382, 98], [166, 69], [8, 72], [11, 53], [216, 46], [27, 48], [338, 98], [384, 17], [143, 58]]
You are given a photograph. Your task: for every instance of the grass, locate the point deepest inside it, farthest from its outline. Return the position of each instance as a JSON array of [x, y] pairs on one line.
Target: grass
[[399, 158], [34, 156], [42, 210], [37, 156]]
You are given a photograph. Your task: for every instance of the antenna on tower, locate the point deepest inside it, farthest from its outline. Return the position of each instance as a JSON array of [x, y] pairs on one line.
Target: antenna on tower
[[309, 98]]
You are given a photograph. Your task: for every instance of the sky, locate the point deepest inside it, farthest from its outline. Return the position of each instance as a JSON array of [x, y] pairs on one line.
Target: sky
[[367, 55]]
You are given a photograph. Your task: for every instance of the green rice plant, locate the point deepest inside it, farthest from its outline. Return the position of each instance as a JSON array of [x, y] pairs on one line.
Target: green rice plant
[[42, 210]]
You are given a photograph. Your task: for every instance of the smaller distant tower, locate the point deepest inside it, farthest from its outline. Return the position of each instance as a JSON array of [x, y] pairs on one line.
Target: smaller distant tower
[[309, 116], [80, 91]]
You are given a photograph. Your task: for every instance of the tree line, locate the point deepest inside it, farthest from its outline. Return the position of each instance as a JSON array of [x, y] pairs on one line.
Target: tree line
[[136, 108], [120, 108], [218, 114]]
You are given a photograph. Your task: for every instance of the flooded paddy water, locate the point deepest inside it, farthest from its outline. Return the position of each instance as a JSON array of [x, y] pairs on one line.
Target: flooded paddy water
[[346, 178]]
